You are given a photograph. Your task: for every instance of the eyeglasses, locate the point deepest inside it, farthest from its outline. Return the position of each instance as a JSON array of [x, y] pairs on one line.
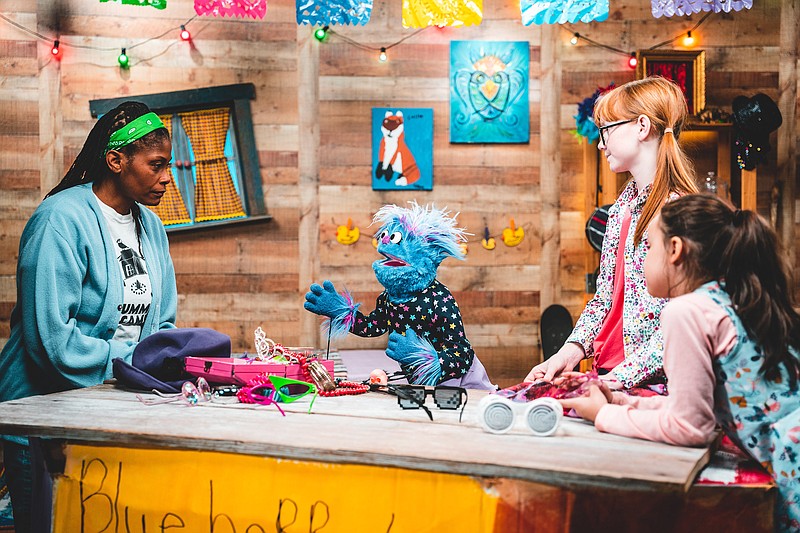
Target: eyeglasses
[[190, 394], [602, 129], [413, 397], [272, 389]]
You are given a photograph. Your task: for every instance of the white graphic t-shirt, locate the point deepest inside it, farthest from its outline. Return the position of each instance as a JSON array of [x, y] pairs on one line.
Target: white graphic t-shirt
[[137, 294]]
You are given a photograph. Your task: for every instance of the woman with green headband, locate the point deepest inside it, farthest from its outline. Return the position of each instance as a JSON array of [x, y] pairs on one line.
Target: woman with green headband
[[94, 277]]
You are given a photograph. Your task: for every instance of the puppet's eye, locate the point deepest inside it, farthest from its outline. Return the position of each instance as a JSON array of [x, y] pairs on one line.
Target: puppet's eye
[[383, 235], [396, 237]]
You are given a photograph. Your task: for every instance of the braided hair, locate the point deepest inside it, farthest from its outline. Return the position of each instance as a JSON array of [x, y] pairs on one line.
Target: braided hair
[[91, 166]]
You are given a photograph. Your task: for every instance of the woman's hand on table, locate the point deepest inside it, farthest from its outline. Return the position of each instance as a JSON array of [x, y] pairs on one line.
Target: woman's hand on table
[[563, 360], [588, 406]]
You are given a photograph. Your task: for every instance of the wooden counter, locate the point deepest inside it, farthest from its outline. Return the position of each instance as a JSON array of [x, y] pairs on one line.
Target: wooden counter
[[586, 473]]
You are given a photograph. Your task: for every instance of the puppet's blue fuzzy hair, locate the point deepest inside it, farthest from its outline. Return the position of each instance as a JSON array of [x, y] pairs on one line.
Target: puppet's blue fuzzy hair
[[432, 226]]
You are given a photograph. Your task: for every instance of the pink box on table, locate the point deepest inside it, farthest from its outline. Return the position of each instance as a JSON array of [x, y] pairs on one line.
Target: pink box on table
[[236, 371]]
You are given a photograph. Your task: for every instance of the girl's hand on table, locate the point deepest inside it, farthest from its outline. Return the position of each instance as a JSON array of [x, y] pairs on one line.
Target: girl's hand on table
[[588, 406], [611, 381], [606, 389], [565, 359]]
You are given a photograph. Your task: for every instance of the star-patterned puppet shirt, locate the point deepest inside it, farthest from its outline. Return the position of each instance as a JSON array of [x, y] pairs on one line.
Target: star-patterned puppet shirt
[[433, 314]]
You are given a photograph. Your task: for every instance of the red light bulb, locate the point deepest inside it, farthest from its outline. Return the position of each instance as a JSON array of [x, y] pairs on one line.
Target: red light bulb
[[185, 35], [632, 61], [56, 51]]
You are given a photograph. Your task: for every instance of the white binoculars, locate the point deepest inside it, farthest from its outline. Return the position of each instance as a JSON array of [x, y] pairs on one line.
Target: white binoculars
[[498, 414]]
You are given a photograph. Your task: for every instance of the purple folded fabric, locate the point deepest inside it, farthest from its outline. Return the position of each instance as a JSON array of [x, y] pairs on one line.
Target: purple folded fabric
[[158, 360]]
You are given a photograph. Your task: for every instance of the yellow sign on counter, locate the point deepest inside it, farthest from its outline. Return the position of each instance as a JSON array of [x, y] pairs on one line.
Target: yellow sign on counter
[[108, 489]]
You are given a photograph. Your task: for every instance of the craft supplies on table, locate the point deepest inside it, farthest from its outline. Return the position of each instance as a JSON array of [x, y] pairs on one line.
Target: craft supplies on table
[[363, 448], [241, 370]]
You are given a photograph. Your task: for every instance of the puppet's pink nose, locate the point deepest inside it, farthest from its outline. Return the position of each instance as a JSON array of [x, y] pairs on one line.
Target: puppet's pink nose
[[385, 239]]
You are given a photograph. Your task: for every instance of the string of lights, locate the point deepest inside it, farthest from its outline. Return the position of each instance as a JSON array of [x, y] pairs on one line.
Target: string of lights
[[322, 33], [123, 59], [688, 40], [38, 35]]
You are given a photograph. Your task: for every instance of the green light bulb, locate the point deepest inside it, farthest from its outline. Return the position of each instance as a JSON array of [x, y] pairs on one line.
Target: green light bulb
[[122, 59], [321, 33]]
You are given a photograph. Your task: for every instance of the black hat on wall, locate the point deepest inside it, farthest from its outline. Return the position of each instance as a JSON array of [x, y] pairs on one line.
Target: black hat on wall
[[754, 118]]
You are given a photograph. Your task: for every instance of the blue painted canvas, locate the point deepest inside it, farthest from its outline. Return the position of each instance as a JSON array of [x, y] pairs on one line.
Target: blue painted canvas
[[402, 149], [489, 92]]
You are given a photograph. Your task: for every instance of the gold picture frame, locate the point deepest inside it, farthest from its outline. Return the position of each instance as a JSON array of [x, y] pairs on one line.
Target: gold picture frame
[[687, 68]]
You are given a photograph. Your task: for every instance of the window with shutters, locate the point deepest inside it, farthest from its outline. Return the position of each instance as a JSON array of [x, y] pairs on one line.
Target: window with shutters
[[215, 173]]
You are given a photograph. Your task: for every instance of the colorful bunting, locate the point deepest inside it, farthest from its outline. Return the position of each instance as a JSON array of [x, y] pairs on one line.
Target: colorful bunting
[[255, 9], [332, 12], [563, 11], [158, 4], [424, 13], [669, 8]]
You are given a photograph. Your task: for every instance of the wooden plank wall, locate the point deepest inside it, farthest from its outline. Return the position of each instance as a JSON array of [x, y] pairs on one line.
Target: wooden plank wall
[[236, 278]]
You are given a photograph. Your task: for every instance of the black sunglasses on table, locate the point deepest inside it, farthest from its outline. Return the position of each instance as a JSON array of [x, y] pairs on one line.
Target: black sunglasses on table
[[413, 396]]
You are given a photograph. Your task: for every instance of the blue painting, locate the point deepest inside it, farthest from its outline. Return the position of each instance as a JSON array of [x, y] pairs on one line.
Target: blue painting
[[489, 92], [402, 149]]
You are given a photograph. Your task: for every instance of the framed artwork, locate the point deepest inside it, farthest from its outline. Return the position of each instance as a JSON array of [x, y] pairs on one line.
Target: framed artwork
[[686, 68], [402, 148], [489, 92]]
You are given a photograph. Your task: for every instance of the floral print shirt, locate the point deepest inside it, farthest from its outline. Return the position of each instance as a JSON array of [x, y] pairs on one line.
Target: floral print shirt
[[761, 416], [641, 328]]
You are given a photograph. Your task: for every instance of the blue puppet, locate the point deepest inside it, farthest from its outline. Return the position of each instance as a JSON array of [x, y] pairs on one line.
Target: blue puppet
[[426, 335]]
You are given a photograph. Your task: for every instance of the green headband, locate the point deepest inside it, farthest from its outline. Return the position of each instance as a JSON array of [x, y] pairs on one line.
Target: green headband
[[134, 130]]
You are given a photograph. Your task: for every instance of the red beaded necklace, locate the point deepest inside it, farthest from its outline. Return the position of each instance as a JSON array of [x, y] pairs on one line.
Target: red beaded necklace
[[343, 388]]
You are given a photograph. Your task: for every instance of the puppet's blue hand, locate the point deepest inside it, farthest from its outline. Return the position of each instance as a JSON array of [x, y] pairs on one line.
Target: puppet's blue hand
[[324, 300], [402, 346], [417, 354]]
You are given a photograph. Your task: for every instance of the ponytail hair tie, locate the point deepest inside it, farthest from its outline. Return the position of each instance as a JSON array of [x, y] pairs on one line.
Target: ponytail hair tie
[[667, 130]]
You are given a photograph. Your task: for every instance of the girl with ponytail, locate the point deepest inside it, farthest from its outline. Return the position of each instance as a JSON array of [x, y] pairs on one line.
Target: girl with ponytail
[[731, 339], [94, 277], [640, 124]]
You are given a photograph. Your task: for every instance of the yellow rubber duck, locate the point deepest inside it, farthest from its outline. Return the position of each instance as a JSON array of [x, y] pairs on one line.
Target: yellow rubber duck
[[347, 234], [513, 235]]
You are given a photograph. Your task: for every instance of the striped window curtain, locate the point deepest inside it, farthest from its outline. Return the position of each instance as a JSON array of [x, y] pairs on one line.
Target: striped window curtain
[[215, 195], [172, 209]]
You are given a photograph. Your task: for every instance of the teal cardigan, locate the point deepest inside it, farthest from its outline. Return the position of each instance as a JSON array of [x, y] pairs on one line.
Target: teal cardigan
[[68, 286]]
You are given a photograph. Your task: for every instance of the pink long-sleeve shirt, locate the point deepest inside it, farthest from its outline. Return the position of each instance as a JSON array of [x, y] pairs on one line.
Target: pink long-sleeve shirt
[[696, 330]]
